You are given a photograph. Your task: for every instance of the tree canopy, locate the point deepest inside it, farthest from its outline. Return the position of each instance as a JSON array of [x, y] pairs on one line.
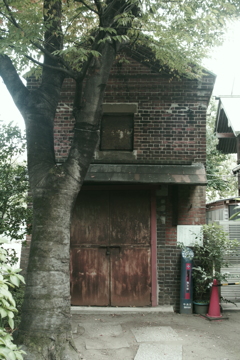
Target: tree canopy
[[66, 35]]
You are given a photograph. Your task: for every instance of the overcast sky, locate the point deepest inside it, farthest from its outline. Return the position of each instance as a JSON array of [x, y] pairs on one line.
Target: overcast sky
[[225, 63]]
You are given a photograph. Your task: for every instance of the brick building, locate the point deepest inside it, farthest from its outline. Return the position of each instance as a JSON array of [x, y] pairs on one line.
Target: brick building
[[146, 178]]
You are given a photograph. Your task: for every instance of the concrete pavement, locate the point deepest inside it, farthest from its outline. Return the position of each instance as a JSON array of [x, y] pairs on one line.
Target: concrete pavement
[[153, 334]]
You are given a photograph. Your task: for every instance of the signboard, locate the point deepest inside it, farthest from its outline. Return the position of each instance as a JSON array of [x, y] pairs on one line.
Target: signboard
[[189, 235]]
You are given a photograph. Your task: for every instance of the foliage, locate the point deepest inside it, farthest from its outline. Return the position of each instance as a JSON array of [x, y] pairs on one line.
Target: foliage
[[17, 292], [179, 32], [18, 295], [210, 258], [14, 213], [221, 182], [11, 256], [9, 278]]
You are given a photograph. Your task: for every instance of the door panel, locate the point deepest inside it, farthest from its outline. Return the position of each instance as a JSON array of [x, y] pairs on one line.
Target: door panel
[[89, 277], [89, 263], [130, 277], [130, 217], [90, 218], [110, 249]]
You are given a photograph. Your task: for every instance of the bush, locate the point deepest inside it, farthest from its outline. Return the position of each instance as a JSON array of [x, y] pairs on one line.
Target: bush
[[18, 295], [210, 258], [9, 278]]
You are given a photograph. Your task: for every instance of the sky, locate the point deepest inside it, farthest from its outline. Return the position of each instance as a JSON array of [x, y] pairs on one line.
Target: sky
[[225, 63]]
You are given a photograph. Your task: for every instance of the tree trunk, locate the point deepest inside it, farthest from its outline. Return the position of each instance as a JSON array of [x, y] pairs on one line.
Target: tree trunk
[[45, 330]]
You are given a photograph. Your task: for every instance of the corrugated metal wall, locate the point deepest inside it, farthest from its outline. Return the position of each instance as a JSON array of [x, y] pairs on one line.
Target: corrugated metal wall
[[232, 292], [217, 215]]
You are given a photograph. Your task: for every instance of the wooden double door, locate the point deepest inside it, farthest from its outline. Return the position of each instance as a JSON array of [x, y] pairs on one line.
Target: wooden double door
[[110, 248]]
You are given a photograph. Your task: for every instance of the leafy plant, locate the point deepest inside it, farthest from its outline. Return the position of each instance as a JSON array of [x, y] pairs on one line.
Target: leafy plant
[[210, 258], [9, 278], [18, 295], [14, 213]]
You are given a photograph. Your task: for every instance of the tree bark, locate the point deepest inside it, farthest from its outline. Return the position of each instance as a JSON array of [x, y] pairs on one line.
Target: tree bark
[[45, 329]]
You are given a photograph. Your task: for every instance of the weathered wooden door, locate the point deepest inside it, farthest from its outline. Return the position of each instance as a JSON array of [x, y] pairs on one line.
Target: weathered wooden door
[[110, 249]]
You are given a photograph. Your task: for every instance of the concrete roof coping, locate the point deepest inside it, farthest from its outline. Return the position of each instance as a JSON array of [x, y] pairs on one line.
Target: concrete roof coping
[[147, 174]]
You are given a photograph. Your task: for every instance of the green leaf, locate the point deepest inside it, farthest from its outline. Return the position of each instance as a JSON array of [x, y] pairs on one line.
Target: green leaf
[[10, 314], [14, 280], [7, 354], [11, 323], [19, 355], [6, 293], [109, 30], [3, 312]]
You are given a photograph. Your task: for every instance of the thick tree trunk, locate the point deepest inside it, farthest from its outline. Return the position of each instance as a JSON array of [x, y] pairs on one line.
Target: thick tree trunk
[[45, 330]]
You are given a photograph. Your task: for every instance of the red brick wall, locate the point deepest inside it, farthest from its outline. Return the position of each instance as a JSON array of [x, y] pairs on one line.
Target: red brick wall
[[169, 128], [163, 132], [171, 120], [64, 121], [190, 211]]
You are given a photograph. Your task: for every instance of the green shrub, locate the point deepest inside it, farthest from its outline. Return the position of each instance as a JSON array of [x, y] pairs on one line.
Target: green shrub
[[210, 258], [9, 278], [18, 295]]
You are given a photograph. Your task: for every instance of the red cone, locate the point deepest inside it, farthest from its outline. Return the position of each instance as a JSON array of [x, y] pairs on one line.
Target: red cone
[[214, 306]]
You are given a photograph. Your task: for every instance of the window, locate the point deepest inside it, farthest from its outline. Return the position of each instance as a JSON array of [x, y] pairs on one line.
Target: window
[[117, 132], [233, 209]]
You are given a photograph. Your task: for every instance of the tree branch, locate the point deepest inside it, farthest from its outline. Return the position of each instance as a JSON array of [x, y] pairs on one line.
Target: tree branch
[[53, 40], [37, 45], [53, 57], [78, 95], [12, 18], [72, 74], [53, 36], [13, 82], [87, 6], [99, 7], [110, 7], [88, 117]]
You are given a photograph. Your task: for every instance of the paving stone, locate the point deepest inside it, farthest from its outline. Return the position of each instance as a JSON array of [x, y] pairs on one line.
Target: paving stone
[[155, 333], [114, 354], [95, 330], [106, 342], [154, 351]]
